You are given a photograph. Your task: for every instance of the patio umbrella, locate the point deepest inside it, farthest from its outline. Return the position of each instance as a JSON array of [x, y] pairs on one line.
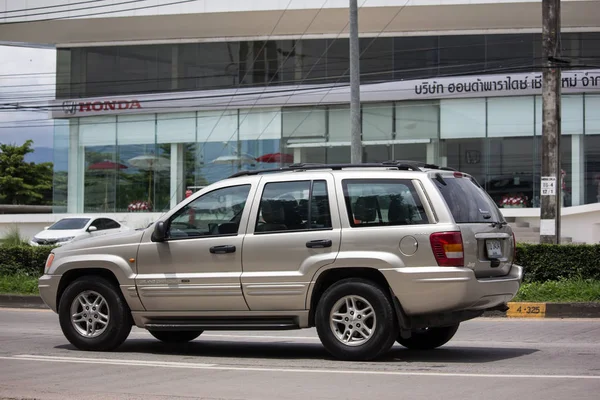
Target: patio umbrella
[[150, 163], [106, 165], [279, 158], [234, 159]]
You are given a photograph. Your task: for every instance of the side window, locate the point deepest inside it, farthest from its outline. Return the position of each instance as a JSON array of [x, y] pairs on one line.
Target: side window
[[213, 214], [111, 224], [294, 206], [383, 202]]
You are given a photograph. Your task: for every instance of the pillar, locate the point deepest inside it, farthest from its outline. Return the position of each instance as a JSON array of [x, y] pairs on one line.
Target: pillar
[[432, 152], [76, 170], [578, 170], [297, 155], [177, 174]]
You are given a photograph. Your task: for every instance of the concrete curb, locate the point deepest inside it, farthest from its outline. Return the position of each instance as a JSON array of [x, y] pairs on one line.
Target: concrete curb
[[21, 301], [548, 310]]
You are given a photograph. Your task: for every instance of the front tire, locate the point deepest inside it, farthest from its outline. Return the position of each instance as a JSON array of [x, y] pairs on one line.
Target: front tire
[[175, 337], [355, 320], [430, 338], [93, 314]]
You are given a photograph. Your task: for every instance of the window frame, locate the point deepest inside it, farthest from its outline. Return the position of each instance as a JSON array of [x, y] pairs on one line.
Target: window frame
[[310, 199], [409, 183], [179, 212]]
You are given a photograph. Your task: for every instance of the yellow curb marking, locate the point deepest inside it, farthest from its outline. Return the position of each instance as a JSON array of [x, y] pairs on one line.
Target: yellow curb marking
[[526, 310]]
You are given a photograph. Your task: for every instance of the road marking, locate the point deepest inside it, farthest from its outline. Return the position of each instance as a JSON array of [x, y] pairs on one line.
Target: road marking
[[12, 309], [215, 367], [108, 361]]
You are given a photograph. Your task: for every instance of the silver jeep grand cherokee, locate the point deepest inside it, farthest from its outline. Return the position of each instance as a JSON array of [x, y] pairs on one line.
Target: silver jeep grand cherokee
[[368, 254]]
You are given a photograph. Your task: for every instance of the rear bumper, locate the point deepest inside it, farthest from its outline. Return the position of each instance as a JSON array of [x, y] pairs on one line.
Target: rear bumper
[[426, 290]]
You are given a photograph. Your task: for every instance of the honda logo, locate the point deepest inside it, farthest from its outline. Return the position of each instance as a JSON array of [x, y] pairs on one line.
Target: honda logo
[[69, 107]]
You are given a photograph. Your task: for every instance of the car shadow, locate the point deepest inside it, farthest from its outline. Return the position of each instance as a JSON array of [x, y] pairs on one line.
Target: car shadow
[[285, 349]]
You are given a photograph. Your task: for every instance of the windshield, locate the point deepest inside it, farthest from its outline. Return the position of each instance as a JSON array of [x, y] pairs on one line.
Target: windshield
[[69, 223], [467, 201]]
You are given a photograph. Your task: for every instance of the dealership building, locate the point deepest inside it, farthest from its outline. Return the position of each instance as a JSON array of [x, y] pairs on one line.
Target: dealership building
[[156, 98]]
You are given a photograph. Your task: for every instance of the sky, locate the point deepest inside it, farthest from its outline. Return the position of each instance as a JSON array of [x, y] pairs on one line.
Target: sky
[[26, 74]]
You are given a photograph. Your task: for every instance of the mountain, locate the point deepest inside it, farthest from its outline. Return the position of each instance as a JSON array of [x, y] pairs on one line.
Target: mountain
[[40, 155]]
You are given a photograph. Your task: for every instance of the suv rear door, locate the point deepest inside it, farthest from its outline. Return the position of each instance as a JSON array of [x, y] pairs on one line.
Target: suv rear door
[[293, 230], [487, 239]]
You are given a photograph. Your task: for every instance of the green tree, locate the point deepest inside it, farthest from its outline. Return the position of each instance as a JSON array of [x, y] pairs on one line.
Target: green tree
[[22, 182]]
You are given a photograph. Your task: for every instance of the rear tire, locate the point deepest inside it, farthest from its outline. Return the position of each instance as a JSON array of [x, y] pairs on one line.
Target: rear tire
[[175, 337], [93, 314], [429, 338], [355, 320]]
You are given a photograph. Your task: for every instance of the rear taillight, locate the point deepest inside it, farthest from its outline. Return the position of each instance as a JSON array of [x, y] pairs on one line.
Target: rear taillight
[[448, 249]]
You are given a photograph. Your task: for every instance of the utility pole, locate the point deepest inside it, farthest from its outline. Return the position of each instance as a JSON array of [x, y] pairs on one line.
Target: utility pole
[[355, 139], [551, 184]]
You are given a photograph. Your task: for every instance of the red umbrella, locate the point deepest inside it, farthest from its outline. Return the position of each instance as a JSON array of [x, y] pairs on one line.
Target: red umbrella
[[106, 166], [276, 158]]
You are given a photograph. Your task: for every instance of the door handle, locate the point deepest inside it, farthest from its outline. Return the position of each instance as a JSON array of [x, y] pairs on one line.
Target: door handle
[[222, 249], [319, 244]]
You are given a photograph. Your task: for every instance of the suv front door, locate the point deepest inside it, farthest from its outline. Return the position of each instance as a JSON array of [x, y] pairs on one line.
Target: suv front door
[[198, 266], [292, 232]]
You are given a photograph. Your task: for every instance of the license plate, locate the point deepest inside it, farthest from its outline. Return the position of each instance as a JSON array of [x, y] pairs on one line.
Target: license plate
[[494, 248]]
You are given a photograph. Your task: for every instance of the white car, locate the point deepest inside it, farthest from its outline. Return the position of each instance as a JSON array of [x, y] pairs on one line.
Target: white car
[[77, 227]]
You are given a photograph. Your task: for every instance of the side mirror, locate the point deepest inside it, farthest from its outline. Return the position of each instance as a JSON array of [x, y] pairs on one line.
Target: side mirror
[[160, 232], [92, 229], [46, 228]]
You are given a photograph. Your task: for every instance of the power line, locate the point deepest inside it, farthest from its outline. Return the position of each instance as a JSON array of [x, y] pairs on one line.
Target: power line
[[99, 13], [324, 96], [70, 9], [260, 90], [49, 7], [339, 61], [416, 49], [39, 95]]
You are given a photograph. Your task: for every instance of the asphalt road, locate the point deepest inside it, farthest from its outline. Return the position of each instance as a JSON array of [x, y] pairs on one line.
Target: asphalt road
[[489, 359]]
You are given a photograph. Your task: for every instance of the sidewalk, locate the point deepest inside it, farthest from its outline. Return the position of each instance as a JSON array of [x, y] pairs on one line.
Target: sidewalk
[[516, 310]]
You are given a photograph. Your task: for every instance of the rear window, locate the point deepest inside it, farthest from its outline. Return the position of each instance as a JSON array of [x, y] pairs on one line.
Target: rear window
[[467, 201], [382, 202], [69, 223]]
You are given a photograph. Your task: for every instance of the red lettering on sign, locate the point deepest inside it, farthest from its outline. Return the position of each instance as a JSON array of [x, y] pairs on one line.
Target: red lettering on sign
[[86, 106]]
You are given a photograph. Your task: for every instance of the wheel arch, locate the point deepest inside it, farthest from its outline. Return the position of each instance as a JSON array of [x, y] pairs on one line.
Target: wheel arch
[[329, 276], [72, 275]]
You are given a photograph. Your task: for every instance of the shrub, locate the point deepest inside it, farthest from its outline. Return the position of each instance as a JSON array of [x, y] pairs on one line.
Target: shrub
[[546, 262], [23, 260]]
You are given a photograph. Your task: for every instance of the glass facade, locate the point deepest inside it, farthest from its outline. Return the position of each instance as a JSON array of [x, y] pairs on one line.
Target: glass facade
[[147, 162], [118, 70]]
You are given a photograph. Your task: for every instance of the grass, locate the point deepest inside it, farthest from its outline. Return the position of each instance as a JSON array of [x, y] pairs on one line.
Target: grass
[[571, 290], [18, 284], [13, 238]]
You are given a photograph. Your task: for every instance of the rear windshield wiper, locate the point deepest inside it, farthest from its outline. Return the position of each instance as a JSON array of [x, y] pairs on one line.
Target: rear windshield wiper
[[499, 224], [438, 177]]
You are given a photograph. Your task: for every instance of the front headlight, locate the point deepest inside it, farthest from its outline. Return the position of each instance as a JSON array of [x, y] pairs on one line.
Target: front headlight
[[65, 239]]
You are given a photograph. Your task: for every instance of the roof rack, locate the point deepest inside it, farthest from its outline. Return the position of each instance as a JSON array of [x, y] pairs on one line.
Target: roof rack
[[400, 165]]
